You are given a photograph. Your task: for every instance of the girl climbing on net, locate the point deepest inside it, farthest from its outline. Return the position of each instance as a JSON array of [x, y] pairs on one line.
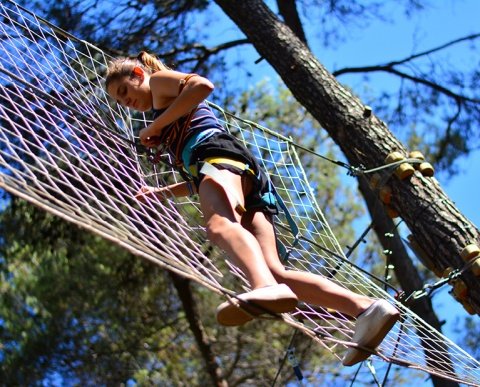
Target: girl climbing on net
[[232, 187]]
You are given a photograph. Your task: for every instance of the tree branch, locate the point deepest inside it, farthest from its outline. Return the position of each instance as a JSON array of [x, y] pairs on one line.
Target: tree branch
[[205, 52], [390, 69], [288, 11]]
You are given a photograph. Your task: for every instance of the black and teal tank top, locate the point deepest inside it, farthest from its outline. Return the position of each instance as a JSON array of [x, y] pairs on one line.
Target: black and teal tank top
[[174, 136]]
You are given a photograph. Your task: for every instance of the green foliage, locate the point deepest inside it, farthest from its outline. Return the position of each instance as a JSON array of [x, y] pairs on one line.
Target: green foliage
[[81, 307]]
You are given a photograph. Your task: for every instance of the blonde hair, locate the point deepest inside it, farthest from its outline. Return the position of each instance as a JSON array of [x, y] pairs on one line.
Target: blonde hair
[[121, 67]]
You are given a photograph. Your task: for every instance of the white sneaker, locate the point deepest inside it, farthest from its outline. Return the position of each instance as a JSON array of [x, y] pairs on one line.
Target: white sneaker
[[370, 329], [275, 299]]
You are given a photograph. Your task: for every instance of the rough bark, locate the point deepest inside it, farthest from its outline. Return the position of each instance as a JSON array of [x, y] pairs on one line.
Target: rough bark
[[433, 219], [192, 315], [384, 227]]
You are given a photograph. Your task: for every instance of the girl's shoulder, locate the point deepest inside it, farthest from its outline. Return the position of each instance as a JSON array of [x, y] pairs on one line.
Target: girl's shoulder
[[164, 86], [167, 76]]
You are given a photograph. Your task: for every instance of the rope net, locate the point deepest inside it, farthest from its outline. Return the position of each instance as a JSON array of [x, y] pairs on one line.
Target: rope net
[[65, 148]]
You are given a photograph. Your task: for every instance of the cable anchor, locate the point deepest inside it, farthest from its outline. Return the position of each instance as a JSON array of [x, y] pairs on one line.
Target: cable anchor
[[292, 359]]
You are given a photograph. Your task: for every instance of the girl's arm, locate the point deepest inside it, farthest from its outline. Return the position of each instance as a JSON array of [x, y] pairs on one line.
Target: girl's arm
[[185, 188], [165, 86]]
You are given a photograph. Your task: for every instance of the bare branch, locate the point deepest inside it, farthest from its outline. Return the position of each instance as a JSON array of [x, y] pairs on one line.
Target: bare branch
[[203, 52], [439, 48], [390, 69]]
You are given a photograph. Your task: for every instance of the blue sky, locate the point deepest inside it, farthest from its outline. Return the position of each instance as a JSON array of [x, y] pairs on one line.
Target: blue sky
[[444, 21]]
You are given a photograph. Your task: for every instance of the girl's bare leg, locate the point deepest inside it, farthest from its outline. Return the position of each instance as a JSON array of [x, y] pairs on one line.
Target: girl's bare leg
[[225, 230], [370, 328], [309, 287]]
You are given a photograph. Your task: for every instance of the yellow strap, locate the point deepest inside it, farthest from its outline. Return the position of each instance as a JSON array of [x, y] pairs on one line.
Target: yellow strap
[[222, 160], [210, 170]]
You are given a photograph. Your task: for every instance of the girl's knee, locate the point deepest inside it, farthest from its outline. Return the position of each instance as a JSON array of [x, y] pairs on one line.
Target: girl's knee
[[218, 227]]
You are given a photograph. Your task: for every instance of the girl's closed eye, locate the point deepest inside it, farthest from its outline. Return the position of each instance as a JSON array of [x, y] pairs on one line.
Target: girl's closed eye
[[121, 92]]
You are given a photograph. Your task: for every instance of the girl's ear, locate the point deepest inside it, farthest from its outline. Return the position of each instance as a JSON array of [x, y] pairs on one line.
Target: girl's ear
[[138, 72]]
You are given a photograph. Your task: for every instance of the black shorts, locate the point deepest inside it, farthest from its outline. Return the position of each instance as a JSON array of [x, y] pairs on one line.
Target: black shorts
[[225, 145]]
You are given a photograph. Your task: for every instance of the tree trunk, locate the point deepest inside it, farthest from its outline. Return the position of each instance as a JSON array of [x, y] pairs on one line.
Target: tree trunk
[[389, 238], [191, 312], [409, 279], [435, 223]]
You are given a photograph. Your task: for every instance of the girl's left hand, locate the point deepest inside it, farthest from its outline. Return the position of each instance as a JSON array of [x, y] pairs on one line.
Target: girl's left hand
[[148, 138]]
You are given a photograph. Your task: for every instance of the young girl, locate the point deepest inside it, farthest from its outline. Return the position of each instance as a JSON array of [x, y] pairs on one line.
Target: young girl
[[230, 185]]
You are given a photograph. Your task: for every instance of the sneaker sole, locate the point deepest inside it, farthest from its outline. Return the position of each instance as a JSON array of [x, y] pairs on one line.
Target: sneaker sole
[[360, 355], [238, 312]]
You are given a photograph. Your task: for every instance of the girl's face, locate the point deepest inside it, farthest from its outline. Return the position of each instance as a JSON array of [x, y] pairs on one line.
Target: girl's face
[[132, 92]]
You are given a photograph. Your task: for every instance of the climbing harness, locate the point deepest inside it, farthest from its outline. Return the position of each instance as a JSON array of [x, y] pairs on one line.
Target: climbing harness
[[270, 198]]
